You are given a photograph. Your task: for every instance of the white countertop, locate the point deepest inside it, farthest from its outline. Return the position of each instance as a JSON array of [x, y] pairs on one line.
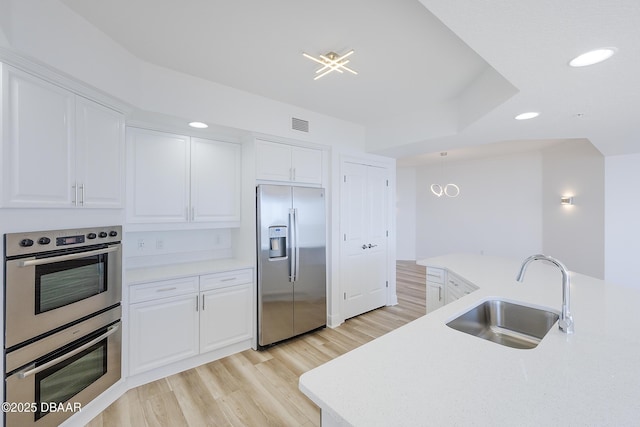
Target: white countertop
[[135, 276], [426, 373]]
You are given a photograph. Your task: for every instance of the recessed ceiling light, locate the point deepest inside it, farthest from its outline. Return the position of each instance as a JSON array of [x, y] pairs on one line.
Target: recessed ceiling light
[[592, 57], [527, 116], [198, 125]]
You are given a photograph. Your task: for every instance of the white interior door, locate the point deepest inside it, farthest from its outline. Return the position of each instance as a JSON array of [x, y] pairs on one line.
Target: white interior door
[[363, 226]]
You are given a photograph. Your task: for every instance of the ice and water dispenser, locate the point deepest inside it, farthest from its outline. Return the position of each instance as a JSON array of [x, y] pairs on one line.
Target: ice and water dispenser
[[277, 241]]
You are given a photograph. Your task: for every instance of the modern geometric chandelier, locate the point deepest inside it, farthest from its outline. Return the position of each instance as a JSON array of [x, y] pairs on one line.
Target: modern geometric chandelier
[[449, 190], [331, 62]]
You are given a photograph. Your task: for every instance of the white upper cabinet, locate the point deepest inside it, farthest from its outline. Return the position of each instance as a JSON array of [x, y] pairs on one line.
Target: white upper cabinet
[[157, 176], [38, 148], [215, 180], [59, 149], [99, 154], [178, 179], [289, 163]]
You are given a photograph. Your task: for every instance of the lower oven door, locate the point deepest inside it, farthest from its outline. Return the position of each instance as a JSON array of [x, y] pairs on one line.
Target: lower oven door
[[55, 386]]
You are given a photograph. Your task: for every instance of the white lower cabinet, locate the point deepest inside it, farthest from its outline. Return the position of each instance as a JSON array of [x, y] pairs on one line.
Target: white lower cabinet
[[444, 287], [435, 288], [173, 320], [162, 332], [435, 296], [457, 287], [226, 316], [219, 306]]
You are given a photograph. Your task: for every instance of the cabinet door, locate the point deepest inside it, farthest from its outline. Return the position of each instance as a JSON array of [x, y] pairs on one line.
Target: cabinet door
[[38, 147], [273, 161], [215, 180], [157, 177], [225, 316], [99, 155], [435, 296], [162, 331], [306, 164]]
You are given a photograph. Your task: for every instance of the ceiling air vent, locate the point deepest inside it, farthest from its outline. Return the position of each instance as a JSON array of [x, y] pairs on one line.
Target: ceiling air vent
[[299, 124]]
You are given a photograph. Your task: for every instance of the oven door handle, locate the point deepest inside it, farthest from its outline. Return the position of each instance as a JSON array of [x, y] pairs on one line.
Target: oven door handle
[[41, 261], [24, 374]]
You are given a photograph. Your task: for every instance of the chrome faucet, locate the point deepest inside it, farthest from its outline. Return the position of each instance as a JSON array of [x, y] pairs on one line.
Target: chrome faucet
[[566, 321]]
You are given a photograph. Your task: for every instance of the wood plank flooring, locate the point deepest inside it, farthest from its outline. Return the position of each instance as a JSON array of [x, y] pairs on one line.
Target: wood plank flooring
[[254, 388]]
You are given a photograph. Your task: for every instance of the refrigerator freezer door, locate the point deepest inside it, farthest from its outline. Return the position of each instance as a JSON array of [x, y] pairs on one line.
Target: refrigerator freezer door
[[310, 301], [275, 290]]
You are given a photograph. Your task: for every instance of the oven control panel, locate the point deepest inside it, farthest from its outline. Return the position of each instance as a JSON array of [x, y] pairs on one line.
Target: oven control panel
[[27, 243]]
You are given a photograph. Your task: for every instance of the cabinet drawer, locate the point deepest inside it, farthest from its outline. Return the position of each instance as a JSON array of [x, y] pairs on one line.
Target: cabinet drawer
[[460, 285], [454, 293], [228, 278], [164, 289], [435, 275]]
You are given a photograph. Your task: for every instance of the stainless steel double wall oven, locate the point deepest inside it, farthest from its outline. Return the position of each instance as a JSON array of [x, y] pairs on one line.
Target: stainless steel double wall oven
[[62, 292]]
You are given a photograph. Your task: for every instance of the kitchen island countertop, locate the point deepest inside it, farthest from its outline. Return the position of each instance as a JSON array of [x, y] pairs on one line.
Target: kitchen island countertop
[[425, 373]]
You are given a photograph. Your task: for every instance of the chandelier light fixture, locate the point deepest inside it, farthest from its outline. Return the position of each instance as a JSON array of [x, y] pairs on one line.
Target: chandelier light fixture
[[331, 62], [449, 190]]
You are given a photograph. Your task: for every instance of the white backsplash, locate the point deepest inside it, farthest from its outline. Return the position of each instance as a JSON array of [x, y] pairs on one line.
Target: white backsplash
[[154, 248]]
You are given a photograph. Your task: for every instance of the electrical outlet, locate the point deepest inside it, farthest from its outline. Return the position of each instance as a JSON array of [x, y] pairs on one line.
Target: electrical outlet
[[159, 244], [140, 244]]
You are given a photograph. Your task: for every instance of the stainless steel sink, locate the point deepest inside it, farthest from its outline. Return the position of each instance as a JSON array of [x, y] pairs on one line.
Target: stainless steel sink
[[506, 323]]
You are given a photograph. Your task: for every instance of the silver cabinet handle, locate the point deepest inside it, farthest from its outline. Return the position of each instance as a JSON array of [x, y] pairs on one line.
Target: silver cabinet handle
[[203, 299], [41, 261], [228, 279], [112, 330], [439, 293], [197, 303], [193, 213], [75, 190], [82, 194], [166, 289]]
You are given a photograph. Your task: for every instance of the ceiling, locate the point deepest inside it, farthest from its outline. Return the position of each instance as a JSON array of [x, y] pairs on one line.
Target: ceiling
[[470, 64]]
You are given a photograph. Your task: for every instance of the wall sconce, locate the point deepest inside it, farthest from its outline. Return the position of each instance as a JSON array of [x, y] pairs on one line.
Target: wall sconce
[[566, 200]]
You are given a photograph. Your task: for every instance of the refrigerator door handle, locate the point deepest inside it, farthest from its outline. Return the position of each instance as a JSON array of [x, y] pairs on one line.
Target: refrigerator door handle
[[295, 251], [296, 247], [292, 245]]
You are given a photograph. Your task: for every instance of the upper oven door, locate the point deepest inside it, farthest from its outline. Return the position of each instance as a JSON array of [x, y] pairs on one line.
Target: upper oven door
[[44, 293]]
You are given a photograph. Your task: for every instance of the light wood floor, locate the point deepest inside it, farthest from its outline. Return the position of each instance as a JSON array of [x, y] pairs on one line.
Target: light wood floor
[[261, 388]]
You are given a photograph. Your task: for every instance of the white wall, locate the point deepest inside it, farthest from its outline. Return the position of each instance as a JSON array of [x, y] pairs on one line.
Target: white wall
[[406, 213], [4, 18], [498, 211], [622, 219], [574, 234], [50, 32]]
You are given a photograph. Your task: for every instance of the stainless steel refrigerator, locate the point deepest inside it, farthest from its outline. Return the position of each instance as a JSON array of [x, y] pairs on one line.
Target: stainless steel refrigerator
[[292, 297]]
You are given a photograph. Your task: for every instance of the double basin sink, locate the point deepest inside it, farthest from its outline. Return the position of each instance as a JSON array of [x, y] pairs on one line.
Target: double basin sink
[[506, 323]]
